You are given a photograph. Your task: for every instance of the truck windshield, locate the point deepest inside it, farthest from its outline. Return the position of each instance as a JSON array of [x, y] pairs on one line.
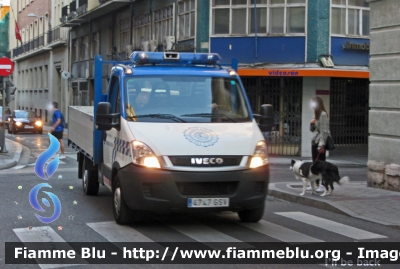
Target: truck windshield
[[185, 99]]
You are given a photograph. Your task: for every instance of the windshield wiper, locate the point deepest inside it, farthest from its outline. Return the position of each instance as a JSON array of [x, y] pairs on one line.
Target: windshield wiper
[[160, 116], [209, 115]]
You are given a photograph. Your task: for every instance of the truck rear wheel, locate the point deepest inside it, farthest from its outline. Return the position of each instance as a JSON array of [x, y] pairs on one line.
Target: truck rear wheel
[[252, 215], [122, 213], [90, 182]]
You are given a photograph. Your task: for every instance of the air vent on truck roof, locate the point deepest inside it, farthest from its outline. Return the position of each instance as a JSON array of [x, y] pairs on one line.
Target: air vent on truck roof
[[171, 56]]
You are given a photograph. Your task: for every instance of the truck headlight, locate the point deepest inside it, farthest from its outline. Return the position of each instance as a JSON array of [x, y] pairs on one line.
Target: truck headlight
[[18, 123], [143, 155], [38, 123], [260, 156]]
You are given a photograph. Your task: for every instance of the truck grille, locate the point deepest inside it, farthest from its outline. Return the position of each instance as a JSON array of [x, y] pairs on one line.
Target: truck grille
[[207, 188], [187, 161]]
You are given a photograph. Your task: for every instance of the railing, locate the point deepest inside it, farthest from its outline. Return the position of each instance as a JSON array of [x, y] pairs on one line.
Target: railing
[[8, 54], [50, 37], [53, 35]]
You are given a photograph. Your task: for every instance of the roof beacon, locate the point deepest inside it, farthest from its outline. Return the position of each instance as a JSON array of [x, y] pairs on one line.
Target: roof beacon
[[141, 58]]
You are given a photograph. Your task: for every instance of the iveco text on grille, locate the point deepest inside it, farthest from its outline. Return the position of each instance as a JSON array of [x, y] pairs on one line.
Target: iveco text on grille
[[207, 161]]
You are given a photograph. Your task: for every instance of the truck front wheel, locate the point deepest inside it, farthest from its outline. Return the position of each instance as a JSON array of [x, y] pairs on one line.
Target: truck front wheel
[[122, 213], [90, 182], [252, 215]]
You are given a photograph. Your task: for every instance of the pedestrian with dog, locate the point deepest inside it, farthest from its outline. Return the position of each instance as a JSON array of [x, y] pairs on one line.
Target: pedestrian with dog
[[319, 126]]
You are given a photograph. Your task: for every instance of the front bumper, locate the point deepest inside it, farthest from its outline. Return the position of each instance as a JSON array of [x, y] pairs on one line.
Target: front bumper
[[165, 191], [30, 128]]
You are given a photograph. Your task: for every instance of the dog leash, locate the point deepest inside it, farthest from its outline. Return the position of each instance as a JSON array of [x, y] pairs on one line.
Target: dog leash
[[316, 159]]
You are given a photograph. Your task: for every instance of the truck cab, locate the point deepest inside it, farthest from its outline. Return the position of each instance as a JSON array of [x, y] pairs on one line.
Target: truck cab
[[178, 135]]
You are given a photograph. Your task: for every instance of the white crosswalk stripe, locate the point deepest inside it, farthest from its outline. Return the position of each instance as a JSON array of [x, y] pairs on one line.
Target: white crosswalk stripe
[[279, 232], [115, 233], [208, 235], [42, 234], [273, 230], [71, 155], [331, 226], [118, 233]]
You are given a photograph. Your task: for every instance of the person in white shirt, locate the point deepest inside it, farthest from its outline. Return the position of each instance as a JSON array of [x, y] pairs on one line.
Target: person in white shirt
[[319, 125]]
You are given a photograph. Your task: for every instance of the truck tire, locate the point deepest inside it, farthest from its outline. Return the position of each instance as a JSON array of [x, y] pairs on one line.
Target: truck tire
[[252, 215], [122, 213], [90, 182]]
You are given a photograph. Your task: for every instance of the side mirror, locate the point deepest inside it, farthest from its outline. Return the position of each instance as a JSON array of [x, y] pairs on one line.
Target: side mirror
[[105, 121], [266, 118]]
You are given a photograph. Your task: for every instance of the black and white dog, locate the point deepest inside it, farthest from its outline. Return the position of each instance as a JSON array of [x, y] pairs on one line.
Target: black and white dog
[[309, 172]]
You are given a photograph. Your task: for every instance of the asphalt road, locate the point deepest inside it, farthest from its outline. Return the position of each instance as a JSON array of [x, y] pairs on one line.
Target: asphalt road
[[89, 218]]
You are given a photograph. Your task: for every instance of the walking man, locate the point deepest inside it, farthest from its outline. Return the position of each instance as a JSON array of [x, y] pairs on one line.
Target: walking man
[[57, 128]]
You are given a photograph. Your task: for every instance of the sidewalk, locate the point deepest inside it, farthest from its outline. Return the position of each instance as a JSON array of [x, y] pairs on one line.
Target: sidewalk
[[11, 158], [342, 156], [354, 199]]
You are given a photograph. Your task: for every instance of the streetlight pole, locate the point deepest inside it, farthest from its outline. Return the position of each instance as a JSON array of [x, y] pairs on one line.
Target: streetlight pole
[[34, 15]]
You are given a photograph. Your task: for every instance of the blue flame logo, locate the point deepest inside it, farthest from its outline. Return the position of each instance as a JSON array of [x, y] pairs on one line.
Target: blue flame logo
[[35, 204], [45, 156], [45, 170]]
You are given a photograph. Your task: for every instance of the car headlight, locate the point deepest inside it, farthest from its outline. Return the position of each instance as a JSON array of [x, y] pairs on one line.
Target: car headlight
[[143, 155], [260, 156], [38, 123], [18, 123]]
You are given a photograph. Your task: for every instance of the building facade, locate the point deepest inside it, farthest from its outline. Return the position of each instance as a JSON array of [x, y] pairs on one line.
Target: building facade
[[40, 57], [384, 120], [279, 45]]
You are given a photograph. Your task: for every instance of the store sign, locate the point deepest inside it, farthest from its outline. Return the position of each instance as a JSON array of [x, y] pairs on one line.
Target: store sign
[[284, 73], [355, 46], [322, 92]]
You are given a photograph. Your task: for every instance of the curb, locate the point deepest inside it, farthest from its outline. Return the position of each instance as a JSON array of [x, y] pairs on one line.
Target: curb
[[8, 165], [324, 205], [345, 165], [15, 160]]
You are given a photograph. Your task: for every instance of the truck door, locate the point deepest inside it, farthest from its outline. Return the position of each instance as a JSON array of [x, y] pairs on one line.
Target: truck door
[[111, 135]]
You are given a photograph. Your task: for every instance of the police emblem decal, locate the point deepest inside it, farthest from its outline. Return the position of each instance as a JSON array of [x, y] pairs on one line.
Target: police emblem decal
[[201, 136]]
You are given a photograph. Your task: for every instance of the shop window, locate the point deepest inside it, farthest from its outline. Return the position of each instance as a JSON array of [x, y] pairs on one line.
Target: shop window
[[186, 17], [270, 17], [164, 23], [350, 17], [142, 29]]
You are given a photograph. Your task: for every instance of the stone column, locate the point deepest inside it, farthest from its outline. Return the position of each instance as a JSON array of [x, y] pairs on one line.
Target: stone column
[[384, 99]]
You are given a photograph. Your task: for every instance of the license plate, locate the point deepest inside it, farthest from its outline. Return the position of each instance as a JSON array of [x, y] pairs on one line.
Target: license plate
[[28, 127], [208, 202]]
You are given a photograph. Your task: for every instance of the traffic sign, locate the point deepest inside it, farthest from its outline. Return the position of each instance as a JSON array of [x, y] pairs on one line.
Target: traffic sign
[[6, 67]]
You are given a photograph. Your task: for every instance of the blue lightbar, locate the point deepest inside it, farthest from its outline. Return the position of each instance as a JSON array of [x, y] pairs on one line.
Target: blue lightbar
[[140, 58]]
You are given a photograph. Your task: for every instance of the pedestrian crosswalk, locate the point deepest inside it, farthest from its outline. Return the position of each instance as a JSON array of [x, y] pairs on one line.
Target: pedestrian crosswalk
[[210, 233], [331, 226], [42, 234]]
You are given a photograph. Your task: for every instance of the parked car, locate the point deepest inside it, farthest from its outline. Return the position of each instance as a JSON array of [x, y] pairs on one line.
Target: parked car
[[24, 121], [7, 115]]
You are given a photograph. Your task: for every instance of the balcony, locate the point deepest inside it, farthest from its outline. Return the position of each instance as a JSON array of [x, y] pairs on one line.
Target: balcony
[[80, 14], [57, 36], [45, 42]]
